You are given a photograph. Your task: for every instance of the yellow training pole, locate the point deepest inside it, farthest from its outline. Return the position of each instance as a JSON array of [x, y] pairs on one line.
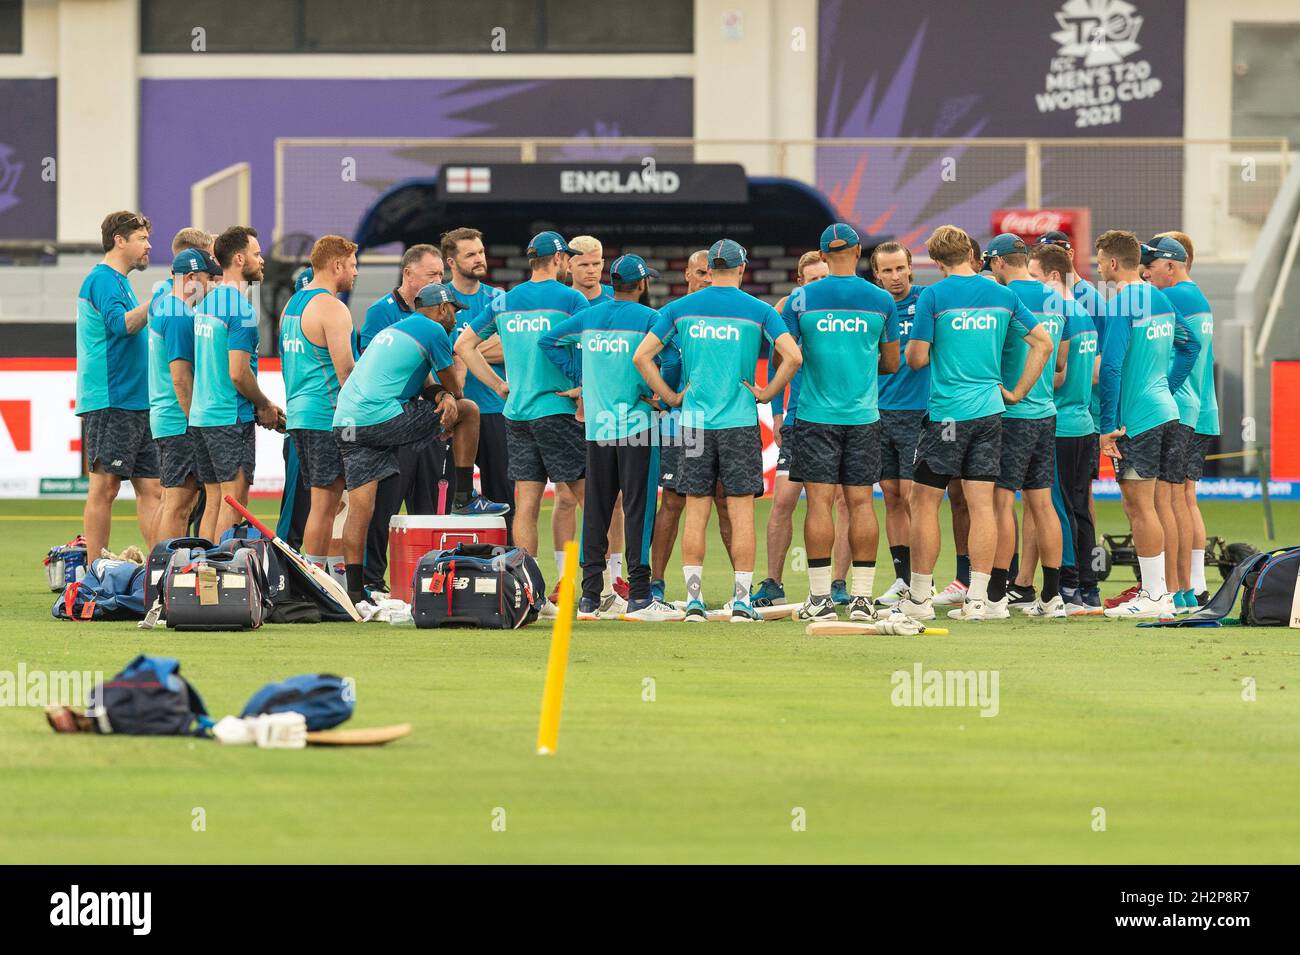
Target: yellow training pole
[[557, 664]]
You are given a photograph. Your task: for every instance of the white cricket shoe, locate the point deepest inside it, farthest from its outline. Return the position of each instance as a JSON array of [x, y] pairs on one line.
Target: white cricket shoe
[[656, 611], [897, 590], [916, 609], [1143, 607], [970, 609], [954, 593], [550, 611], [1053, 609], [997, 609], [612, 607]]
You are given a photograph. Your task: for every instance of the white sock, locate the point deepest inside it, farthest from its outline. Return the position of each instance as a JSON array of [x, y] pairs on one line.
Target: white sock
[[1198, 572], [615, 566], [864, 580], [1153, 575], [321, 562], [607, 583], [979, 586], [922, 587], [694, 576], [559, 564], [744, 581], [819, 581], [338, 567]]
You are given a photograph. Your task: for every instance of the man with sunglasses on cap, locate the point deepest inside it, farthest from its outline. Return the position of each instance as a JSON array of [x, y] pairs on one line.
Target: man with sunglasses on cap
[[719, 330], [404, 390], [545, 440], [594, 350], [171, 386], [1165, 260]]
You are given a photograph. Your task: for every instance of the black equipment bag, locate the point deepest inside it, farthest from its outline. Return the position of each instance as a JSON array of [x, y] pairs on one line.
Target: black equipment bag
[[477, 585], [158, 560], [217, 589]]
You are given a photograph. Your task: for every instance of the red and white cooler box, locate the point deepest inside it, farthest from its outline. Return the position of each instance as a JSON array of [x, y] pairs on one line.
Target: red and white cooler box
[[1029, 224], [411, 536]]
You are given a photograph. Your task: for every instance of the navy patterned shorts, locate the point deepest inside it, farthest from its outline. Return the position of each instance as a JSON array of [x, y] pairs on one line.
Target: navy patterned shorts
[[222, 450], [319, 458], [733, 456], [1028, 453], [119, 442], [176, 459], [1157, 453], [899, 433], [847, 454], [551, 448]]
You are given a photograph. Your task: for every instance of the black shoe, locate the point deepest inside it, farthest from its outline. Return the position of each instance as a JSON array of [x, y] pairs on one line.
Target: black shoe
[[1202, 598], [1021, 597]]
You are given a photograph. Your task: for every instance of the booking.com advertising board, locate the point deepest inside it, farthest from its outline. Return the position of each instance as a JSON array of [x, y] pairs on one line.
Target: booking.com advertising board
[[40, 436]]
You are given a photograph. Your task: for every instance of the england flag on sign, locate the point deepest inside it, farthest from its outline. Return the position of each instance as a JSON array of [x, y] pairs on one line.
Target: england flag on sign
[[468, 179]]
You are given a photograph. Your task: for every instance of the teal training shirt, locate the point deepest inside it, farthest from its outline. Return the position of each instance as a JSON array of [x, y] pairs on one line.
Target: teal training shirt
[[171, 337], [719, 331], [224, 322], [488, 401], [1137, 348], [311, 382], [112, 364], [840, 322], [526, 313], [378, 386], [1074, 398], [1197, 392], [1048, 309], [594, 349], [967, 320]]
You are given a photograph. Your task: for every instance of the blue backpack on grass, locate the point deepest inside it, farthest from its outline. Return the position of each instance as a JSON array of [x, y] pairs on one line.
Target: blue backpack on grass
[[149, 698], [111, 590], [324, 699]]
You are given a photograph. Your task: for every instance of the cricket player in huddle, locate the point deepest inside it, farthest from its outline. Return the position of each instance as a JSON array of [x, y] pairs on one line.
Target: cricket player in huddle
[[171, 386], [1076, 431], [622, 431], [316, 358], [1169, 272], [1028, 457], [902, 397], [960, 328], [1147, 352], [404, 390], [112, 383], [719, 329], [227, 397], [545, 440], [843, 324]]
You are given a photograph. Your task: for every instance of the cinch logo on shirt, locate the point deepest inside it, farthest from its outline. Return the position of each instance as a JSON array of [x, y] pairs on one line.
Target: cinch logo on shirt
[[725, 333], [202, 330], [1162, 330], [1051, 324], [905, 326], [1207, 326], [520, 324], [1087, 345], [292, 344], [611, 344], [964, 322], [383, 338], [855, 324]]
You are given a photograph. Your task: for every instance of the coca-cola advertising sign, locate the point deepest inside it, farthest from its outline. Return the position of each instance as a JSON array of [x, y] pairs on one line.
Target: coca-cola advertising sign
[[1029, 224]]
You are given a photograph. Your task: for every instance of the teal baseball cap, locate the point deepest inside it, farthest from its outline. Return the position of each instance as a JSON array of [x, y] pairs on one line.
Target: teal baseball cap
[[631, 268], [839, 236], [1004, 243], [1165, 247], [303, 278], [729, 252], [194, 260], [436, 294], [548, 243]]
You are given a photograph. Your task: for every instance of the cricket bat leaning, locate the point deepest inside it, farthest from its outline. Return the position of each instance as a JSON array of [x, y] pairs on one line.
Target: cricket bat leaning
[[330, 587], [375, 736]]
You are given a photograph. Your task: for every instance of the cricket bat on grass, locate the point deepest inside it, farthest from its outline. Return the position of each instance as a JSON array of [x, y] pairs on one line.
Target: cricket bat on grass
[[375, 736], [842, 628], [318, 578]]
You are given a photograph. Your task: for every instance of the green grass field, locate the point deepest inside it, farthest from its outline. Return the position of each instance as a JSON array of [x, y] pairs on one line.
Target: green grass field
[[750, 730]]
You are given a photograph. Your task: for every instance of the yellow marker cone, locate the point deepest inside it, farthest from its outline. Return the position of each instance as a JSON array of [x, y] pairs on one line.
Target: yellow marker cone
[[557, 664]]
